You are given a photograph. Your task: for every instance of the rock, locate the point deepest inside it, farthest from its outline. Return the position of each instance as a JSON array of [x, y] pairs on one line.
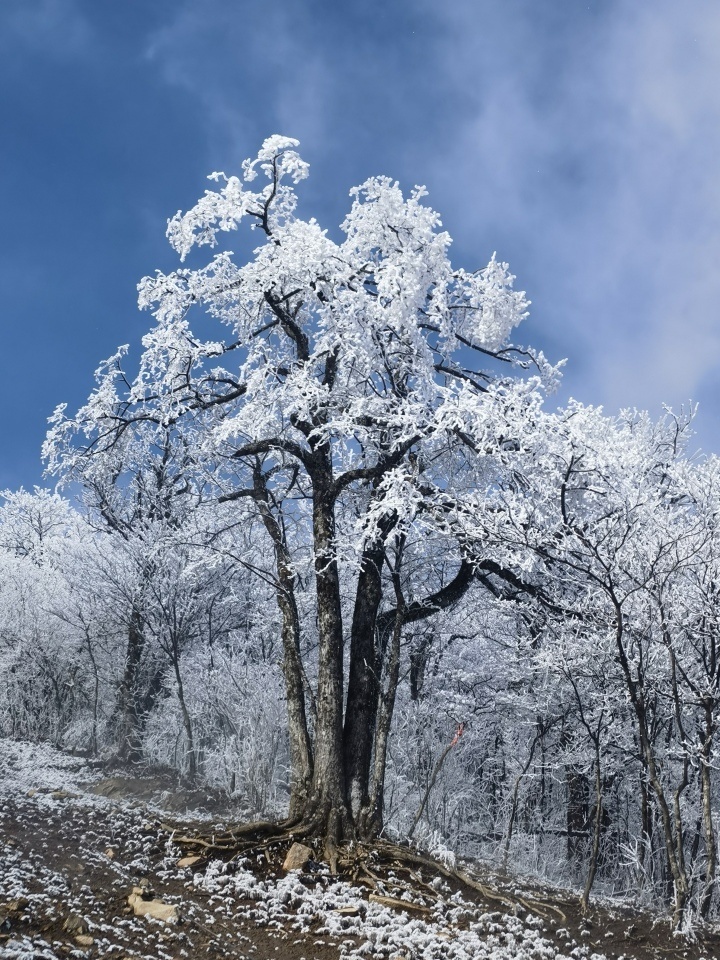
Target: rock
[[75, 924], [153, 908], [84, 940], [18, 905], [189, 861], [298, 857], [110, 853]]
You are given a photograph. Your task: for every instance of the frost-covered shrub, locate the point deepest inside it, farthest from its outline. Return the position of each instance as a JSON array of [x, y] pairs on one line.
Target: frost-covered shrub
[[237, 712], [42, 686], [59, 638]]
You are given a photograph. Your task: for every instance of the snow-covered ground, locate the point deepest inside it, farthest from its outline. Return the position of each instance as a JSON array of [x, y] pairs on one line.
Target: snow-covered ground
[[71, 858]]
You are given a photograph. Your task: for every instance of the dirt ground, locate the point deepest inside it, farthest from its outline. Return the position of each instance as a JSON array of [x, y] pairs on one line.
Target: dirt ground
[[72, 851]]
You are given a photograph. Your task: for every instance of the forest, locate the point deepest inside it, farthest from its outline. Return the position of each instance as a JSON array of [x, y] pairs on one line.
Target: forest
[[325, 545]]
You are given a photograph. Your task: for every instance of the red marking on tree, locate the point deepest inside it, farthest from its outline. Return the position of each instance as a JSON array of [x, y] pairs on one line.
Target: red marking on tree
[[458, 733]]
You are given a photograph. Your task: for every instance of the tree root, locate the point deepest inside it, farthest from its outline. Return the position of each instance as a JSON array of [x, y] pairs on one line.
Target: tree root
[[352, 860], [403, 854], [396, 904]]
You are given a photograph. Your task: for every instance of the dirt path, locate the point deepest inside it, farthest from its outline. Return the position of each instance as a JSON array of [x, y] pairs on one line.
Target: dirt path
[[69, 860]]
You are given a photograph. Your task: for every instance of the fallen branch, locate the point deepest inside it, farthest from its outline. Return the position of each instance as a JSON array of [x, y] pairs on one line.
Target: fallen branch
[[397, 904]]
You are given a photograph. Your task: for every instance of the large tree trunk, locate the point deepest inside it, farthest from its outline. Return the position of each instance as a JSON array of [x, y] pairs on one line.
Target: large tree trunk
[[327, 809], [363, 678], [128, 714]]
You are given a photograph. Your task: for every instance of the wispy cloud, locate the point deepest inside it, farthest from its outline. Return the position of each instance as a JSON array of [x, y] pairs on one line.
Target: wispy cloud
[[52, 27], [589, 144], [580, 140], [238, 69]]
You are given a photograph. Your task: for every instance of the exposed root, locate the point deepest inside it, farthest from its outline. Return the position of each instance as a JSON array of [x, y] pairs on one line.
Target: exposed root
[[398, 904], [372, 879], [403, 854], [353, 861], [242, 840]]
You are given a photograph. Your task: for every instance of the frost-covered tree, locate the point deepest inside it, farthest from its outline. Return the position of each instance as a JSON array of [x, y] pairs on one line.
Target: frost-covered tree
[[616, 529], [352, 391], [57, 642]]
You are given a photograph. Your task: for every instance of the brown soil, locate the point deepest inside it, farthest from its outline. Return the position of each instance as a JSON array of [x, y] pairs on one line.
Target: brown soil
[[78, 858]]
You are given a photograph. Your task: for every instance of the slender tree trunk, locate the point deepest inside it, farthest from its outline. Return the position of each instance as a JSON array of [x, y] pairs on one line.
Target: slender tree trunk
[[514, 803], [576, 811], [371, 816], [597, 830], [187, 721], [706, 800], [96, 691], [672, 833], [646, 819], [428, 790], [371, 821], [301, 760]]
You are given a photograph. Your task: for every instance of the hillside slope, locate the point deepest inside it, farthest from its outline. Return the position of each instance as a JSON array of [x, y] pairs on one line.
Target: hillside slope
[[76, 843]]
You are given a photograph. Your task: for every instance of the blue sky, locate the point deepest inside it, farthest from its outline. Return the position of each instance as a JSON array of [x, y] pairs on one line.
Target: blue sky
[[579, 140]]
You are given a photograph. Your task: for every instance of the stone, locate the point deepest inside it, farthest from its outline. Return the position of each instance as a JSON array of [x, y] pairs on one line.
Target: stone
[[84, 940], [75, 924], [189, 861], [298, 857], [18, 905], [110, 853], [153, 908]]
